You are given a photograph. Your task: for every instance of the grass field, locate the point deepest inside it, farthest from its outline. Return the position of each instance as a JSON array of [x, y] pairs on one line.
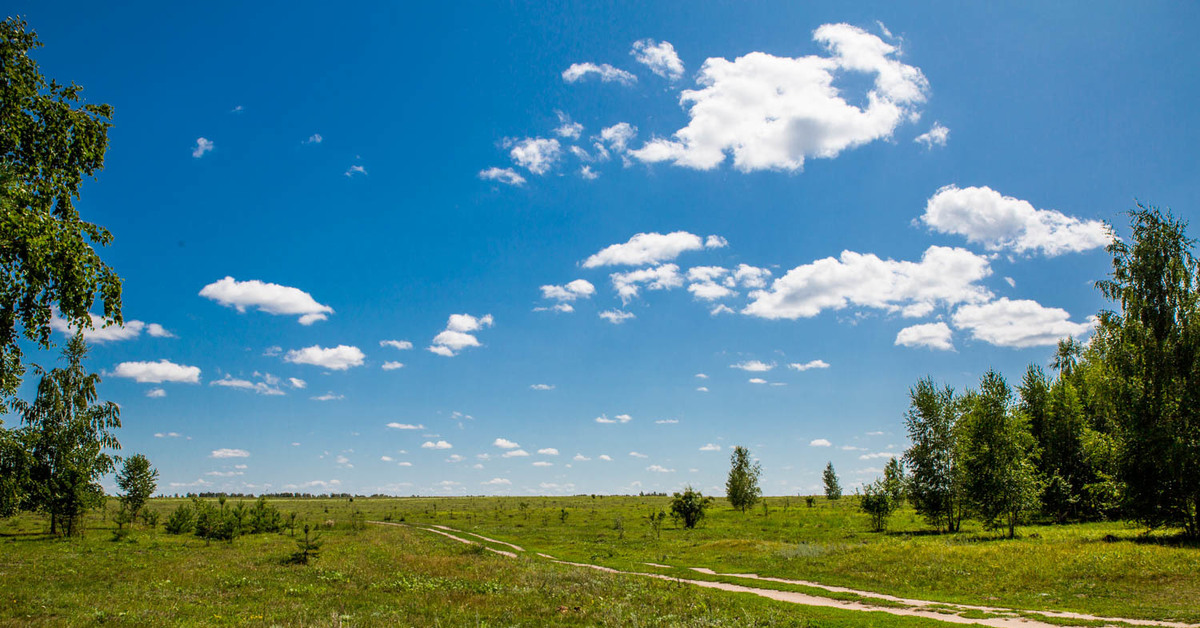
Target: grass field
[[396, 576]]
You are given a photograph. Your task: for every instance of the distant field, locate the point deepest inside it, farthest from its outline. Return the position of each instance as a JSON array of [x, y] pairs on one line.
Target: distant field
[[396, 576]]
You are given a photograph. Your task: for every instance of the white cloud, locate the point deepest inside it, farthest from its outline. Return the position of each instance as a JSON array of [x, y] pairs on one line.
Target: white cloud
[[587, 173], [391, 366], [664, 277], [404, 464], [507, 176], [202, 146], [937, 135], [580, 458], [504, 443], [943, 276], [229, 453], [548, 451], [757, 380], [328, 396], [267, 297], [1018, 324], [497, 482], [261, 388], [659, 469], [168, 435], [457, 336], [650, 248], [567, 128], [156, 393], [353, 170], [543, 463], [536, 154], [702, 389], [666, 421], [337, 358], [701, 376], [750, 276], [578, 289], [774, 112], [315, 138], [811, 364], [606, 72], [515, 453], [711, 447], [158, 331], [405, 426], [455, 458], [386, 458], [879, 454], [441, 444], [620, 418], [158, 372], [616, 317], [660, 57], [618, 135], [402, 345], [634, 454], [1000, 222], [931, 335], [605, 457], [710, 291], [541, 387], [819, 442], [753, 366]]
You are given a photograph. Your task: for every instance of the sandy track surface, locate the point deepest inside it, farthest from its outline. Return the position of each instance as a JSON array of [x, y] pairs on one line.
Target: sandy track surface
[[947, 612]]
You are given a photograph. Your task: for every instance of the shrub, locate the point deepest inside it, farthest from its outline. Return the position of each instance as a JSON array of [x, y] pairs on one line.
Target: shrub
[[689, 506], [265, 517], [182, 521], [878, 503]]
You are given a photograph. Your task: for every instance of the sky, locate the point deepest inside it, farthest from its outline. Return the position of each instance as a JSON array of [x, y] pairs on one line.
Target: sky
[[515, 249]]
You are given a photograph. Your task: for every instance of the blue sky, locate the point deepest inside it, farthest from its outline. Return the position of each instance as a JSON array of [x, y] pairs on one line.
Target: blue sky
[[811, 206]]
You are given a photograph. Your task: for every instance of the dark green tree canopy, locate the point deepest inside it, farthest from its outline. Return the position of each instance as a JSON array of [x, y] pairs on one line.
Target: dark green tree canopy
[[137, 481], [50, 140], [833, 488]]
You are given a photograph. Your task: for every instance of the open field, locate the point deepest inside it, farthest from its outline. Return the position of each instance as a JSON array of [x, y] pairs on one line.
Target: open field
[[380, 575]]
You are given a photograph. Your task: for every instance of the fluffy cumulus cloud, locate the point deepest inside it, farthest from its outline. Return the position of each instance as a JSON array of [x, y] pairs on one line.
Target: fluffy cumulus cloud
[[628, 285], [616, 317], [773, 113], [339, 358], [497, 482], [459, 335], [535, 154], [711, 447], [405, 426], [441, 444], [229, 453], [819, 442], [578, 289], [267, 297], [548, 451], [998, 222], [507, 176], [504, 443], [944, 275], [156, 393], [541, 386], [651, 248], [937, 135], [929, 335], [605, 72], [811, 364], [1018, 323], [392, 365], [158, 372], [267, 384], [202, 146], [617, 136], [401, 345], [100, 333], [620, 418], [660, 57]]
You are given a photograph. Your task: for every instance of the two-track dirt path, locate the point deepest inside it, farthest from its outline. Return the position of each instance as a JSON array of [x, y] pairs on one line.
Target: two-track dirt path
[[928, 609]]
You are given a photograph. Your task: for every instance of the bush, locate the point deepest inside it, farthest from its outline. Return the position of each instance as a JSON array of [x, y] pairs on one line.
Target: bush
[[877, 502], [265, 517], [689, 506], [182, 521]]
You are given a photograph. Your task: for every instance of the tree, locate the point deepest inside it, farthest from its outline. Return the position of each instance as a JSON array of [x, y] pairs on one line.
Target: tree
[[999, 475], [894, 481], [69, 435], [833, 488], [49, 142], [138, 480], [878, 503], [689, 506], [742, 488], [935, 480], [1151, 354]]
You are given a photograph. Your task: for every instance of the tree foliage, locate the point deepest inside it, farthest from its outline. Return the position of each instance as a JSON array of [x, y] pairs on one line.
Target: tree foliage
[[1150, 349], [877, 502], [68, 436], [50, 141], [935, 480], [833, 488], [689, 506], [999, 475], [138, 481], [741, 488]]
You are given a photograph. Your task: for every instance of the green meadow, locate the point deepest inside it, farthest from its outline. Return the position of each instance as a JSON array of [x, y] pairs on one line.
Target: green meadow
[[369, 574]]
